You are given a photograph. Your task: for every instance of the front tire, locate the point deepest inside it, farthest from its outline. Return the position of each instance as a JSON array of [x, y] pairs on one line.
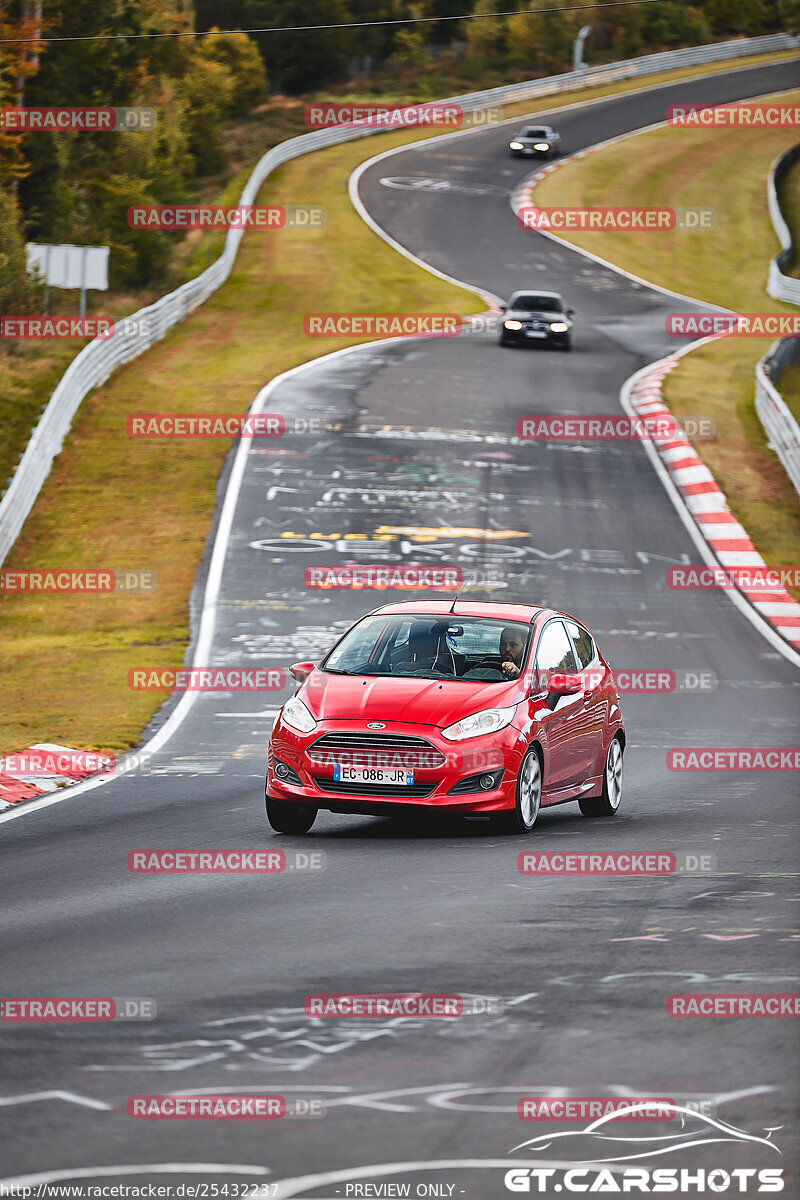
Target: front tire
[[607, 804], [528, 799], [286, 817]]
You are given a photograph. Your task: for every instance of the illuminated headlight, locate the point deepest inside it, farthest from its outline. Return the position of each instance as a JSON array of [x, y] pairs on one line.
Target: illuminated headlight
[[541, 145], [297, 716], [559, 326], [515, 146], [512, 324], [488, 721]]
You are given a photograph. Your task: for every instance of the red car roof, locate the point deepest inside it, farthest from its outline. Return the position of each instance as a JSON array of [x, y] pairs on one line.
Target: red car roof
[[465, 608]]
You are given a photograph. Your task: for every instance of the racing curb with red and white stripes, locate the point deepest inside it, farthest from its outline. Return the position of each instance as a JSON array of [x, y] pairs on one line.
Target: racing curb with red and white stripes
[[696, 486], [16, 786]]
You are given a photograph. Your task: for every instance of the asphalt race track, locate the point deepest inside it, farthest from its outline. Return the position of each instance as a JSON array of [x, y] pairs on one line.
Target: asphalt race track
[[583, 966]]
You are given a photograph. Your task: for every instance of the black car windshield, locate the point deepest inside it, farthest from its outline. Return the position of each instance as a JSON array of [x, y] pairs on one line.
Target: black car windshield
[[471, 649], [531, 303], [537, 133]]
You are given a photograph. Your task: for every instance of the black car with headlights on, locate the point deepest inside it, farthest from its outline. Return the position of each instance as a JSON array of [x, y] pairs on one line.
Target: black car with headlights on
[[535, 141], [532, 318]]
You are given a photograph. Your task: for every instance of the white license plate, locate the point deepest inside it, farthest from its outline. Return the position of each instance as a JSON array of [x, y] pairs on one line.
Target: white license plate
[[535, 333], [398, 778]]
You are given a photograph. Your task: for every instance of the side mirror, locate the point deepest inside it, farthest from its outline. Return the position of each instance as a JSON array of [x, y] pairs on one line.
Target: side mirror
[[301, 671], [564, 685], [503, 307], [570, 312]]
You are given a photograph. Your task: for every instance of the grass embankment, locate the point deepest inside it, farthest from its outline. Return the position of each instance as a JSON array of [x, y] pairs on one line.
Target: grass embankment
[[29, 372], [725, 170], [117, 503]]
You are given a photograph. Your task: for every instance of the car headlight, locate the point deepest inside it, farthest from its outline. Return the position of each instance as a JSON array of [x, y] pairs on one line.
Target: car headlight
[[512, 324], [297, 716], [559, 326], [488, 721], [515, 146], [541, 145]]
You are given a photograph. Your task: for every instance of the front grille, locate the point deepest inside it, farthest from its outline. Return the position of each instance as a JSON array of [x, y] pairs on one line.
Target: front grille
[[369, 789], [387, 750]]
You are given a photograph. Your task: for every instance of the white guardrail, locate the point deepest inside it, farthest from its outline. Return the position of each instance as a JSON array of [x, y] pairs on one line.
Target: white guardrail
[[780, 286], [96, 361], [782, 430]]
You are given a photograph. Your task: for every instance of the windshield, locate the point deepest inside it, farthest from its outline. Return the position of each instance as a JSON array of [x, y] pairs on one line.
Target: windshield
[[473, 649], [531, 303], [537, 133]]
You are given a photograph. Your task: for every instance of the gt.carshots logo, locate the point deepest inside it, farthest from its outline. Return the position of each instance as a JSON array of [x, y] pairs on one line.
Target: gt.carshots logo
[[644, 1180]]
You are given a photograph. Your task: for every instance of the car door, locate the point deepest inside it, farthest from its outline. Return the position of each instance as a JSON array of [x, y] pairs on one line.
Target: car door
[[595, 695], [568, 742]]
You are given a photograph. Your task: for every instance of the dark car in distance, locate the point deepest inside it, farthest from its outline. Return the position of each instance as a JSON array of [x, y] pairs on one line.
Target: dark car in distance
[[532, 318], [535, 141]]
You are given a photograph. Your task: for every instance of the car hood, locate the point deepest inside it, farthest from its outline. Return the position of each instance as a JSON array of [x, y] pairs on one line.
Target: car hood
[[437, 702]]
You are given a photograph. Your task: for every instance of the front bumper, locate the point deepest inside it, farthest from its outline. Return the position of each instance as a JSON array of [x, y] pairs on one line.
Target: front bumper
[[519, 337], [448, 765]]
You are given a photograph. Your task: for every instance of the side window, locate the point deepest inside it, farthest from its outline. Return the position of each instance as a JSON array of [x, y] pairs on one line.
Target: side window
[[581, 640], [554, 652]]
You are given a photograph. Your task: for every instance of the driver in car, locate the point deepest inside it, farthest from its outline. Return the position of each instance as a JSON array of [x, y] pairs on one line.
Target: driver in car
[[512, 646], [427, 650]]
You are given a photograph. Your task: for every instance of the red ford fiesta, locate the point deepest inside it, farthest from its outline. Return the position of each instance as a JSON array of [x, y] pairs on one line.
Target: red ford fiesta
[[496, 709]]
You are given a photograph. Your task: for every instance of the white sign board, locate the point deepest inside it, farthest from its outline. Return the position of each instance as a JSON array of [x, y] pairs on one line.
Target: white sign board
[[71, 266]]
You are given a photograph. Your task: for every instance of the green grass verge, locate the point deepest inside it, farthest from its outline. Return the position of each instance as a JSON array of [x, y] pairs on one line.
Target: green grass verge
[[724, 170], [29, 372]]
